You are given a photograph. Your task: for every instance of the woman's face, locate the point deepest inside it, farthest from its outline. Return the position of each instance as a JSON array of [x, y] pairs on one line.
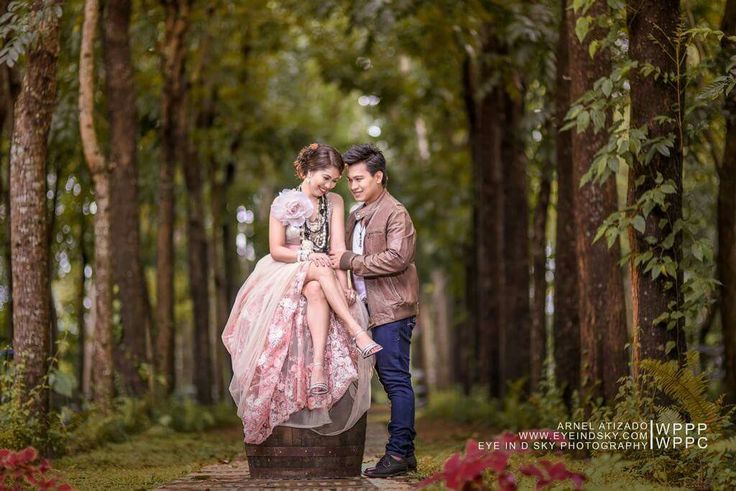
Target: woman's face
[[322, 181]]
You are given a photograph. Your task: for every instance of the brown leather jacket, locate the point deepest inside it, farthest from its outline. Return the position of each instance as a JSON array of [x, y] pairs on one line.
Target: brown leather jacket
[[387, 262]]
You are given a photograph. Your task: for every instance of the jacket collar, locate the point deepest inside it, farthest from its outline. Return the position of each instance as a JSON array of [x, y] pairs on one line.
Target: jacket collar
[[367, 211]]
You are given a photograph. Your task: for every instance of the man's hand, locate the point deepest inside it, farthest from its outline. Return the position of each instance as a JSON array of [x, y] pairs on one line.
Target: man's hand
[[351, 296], [335, 259]]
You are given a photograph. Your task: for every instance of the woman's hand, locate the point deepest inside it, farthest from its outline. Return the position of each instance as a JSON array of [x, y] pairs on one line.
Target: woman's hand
[[320, 259], [351, 296]]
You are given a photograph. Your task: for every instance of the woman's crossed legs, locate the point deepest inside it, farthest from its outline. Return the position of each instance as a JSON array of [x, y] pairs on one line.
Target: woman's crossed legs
[[322, 292]]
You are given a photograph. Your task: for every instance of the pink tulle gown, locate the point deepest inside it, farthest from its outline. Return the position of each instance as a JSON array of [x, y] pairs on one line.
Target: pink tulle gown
[[269, 341]]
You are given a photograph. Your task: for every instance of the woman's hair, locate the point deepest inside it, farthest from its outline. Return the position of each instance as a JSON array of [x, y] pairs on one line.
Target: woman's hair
[[371, 156], [317, 156]]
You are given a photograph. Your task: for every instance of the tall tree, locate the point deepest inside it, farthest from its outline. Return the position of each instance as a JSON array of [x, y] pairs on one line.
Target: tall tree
[[727, 214], [601, 307], [102, 387], [565, 329], [8, 94], [197, 249], [173, 126], [218, 196], [482, 107], [656, 106], [135, 315], [514, 341], [28, 215]]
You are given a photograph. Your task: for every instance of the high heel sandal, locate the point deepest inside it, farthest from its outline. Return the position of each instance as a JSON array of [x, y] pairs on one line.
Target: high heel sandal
[[369, 350], [319, 388]]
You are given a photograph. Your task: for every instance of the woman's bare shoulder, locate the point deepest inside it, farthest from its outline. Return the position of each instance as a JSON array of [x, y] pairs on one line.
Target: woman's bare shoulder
[[335, 199]]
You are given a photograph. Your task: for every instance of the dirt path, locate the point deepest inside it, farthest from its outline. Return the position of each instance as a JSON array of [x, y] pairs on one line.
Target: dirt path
[[234, 475]]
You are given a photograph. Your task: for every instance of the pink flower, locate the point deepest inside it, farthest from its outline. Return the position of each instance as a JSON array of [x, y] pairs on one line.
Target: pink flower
[[292, 207]]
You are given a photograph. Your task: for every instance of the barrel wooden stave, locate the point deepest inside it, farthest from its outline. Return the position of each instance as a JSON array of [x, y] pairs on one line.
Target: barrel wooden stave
[[293, 453]]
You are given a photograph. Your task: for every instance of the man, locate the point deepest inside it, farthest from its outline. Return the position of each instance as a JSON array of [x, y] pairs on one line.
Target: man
[[385, 278]]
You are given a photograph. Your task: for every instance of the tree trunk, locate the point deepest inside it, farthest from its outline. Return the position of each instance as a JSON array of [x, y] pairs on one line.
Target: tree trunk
[[538, 337], [102, 386], [652, 31], [198, 268], [127, 268], [727, 219], [602, 311], [11, 80], [565, 328], [514, 341], [218, 200], [485, 142], [172, 126], [443, 333], [228, 241], [428, 348], [28, 215], [7, 100]]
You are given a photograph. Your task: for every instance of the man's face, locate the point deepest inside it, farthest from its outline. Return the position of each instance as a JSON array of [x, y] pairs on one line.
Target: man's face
[[364, 186]]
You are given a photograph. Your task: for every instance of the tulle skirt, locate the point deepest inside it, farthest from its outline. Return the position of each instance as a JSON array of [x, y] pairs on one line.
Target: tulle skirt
[[269, 342]]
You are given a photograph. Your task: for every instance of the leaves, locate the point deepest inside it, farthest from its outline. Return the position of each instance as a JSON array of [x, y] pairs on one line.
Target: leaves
[[24, 470], [582, 121], [466, 471], [582, 26], [639, 224], [548, 472]]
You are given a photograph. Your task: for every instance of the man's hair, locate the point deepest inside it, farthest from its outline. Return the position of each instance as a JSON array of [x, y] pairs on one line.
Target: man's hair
[[369, 155]]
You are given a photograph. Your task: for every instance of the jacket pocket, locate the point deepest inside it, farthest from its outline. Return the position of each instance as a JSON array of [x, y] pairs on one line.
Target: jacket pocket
[[374, 242], [393, 292]]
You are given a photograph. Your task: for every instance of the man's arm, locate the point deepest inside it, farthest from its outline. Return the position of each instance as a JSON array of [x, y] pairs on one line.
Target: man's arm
[[399, 253]]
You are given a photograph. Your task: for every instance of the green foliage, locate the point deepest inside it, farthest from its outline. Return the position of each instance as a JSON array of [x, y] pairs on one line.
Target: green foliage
[[20, 424], [663, 393], [132, 416], [683, 256], [90, 428], [667, 393], [516, 411], [19, 27], [689, 390], [188, 416]]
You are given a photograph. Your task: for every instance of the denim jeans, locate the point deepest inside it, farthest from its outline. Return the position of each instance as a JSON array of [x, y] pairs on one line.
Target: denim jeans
[[392, 365]]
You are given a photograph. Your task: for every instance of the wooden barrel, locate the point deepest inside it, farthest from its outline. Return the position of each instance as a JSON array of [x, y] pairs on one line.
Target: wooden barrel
[[293, 453]]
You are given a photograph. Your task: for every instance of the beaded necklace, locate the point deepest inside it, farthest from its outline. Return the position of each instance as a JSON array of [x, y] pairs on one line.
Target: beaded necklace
[[317, 232]]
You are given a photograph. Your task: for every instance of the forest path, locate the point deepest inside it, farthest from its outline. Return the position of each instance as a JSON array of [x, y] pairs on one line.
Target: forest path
[[234, 475]]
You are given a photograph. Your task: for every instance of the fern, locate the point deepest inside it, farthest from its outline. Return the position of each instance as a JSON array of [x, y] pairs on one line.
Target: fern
[[723, 446], [689, 390]]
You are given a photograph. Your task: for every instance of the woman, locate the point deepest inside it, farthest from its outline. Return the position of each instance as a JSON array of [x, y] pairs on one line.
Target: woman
[[296, 336]]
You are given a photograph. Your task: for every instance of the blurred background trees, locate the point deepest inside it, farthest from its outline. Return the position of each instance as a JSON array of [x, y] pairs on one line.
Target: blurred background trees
[[569, 166]]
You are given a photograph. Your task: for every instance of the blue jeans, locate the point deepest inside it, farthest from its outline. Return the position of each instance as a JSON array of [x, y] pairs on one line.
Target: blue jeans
[[392, 365]]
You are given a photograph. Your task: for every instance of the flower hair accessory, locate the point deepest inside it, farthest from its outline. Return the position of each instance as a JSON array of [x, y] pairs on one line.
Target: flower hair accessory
[[292, 207], [314, 146]]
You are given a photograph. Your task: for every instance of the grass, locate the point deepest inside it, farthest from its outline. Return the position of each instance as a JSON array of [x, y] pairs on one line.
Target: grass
[[149, 459]]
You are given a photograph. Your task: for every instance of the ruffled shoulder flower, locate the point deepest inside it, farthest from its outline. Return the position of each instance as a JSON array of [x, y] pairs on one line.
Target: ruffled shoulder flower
[[292, 207]]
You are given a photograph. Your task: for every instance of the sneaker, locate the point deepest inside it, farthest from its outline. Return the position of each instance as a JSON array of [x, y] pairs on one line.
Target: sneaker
[[411, 462], [388, 466]]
